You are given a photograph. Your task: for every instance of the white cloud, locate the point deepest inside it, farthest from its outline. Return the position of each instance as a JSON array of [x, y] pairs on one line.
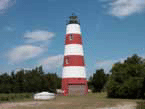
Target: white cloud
[[107, 64], [5, 4], [52, 62], [38, 35], [124, 7], [24, 52]]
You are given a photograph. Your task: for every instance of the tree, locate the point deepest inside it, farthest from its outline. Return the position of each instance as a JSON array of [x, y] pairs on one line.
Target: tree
[[135, 59], [20, 82], [126, 80], [90, 86], [98, 80], [5, 85], [12, 81], [34, 80]]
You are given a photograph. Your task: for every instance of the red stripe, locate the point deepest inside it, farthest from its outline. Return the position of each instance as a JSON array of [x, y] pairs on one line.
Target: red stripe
[[74, 60], [75, 80], [73, 39]]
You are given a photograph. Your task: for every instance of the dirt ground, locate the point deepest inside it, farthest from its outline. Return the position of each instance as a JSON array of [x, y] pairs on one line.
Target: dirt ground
[[91, 101]]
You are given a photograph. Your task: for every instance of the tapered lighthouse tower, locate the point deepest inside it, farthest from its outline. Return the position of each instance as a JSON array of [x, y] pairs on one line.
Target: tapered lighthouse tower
[[74, 75]]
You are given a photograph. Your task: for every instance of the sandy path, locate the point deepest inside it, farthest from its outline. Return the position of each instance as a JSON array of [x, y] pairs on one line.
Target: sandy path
[[13, 104], [124, 105]]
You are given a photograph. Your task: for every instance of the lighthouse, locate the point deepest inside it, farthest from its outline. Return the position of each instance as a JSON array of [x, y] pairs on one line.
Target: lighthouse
[[74, 81]]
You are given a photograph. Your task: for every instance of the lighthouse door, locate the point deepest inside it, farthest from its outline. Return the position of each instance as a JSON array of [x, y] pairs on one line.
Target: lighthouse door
[[76, 90]]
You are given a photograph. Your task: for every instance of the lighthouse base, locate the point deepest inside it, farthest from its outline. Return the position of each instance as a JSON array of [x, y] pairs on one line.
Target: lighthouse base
[[74, 86]]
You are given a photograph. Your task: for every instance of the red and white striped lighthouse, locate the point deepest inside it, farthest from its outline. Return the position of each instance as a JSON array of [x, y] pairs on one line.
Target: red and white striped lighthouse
[[74, 75]]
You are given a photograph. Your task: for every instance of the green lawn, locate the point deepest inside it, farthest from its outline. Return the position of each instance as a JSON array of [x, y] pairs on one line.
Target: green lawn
[[91, 101], [15, 97]]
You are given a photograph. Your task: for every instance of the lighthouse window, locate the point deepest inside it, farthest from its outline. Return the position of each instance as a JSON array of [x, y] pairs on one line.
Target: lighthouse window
[[67, 61], [71, 37]]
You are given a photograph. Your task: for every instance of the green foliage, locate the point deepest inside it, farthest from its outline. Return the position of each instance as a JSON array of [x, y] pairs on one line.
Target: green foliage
[[90, 86], [127, 79], [97, 82], [34, 80]]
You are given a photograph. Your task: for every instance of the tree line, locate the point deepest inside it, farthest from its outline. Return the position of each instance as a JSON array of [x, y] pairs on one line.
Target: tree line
[[125, 80], [35, 80]]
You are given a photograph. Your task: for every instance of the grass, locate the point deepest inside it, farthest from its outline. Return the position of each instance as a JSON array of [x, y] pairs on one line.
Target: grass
[[15, 97], [91, 101], [140, 105]]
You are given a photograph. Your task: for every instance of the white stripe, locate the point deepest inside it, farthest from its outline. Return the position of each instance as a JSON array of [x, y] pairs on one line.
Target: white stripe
[[73, 28], [73, 49], [74, 72]]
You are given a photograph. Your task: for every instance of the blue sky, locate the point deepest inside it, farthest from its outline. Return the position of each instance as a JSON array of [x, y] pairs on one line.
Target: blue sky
[[32, 32]]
